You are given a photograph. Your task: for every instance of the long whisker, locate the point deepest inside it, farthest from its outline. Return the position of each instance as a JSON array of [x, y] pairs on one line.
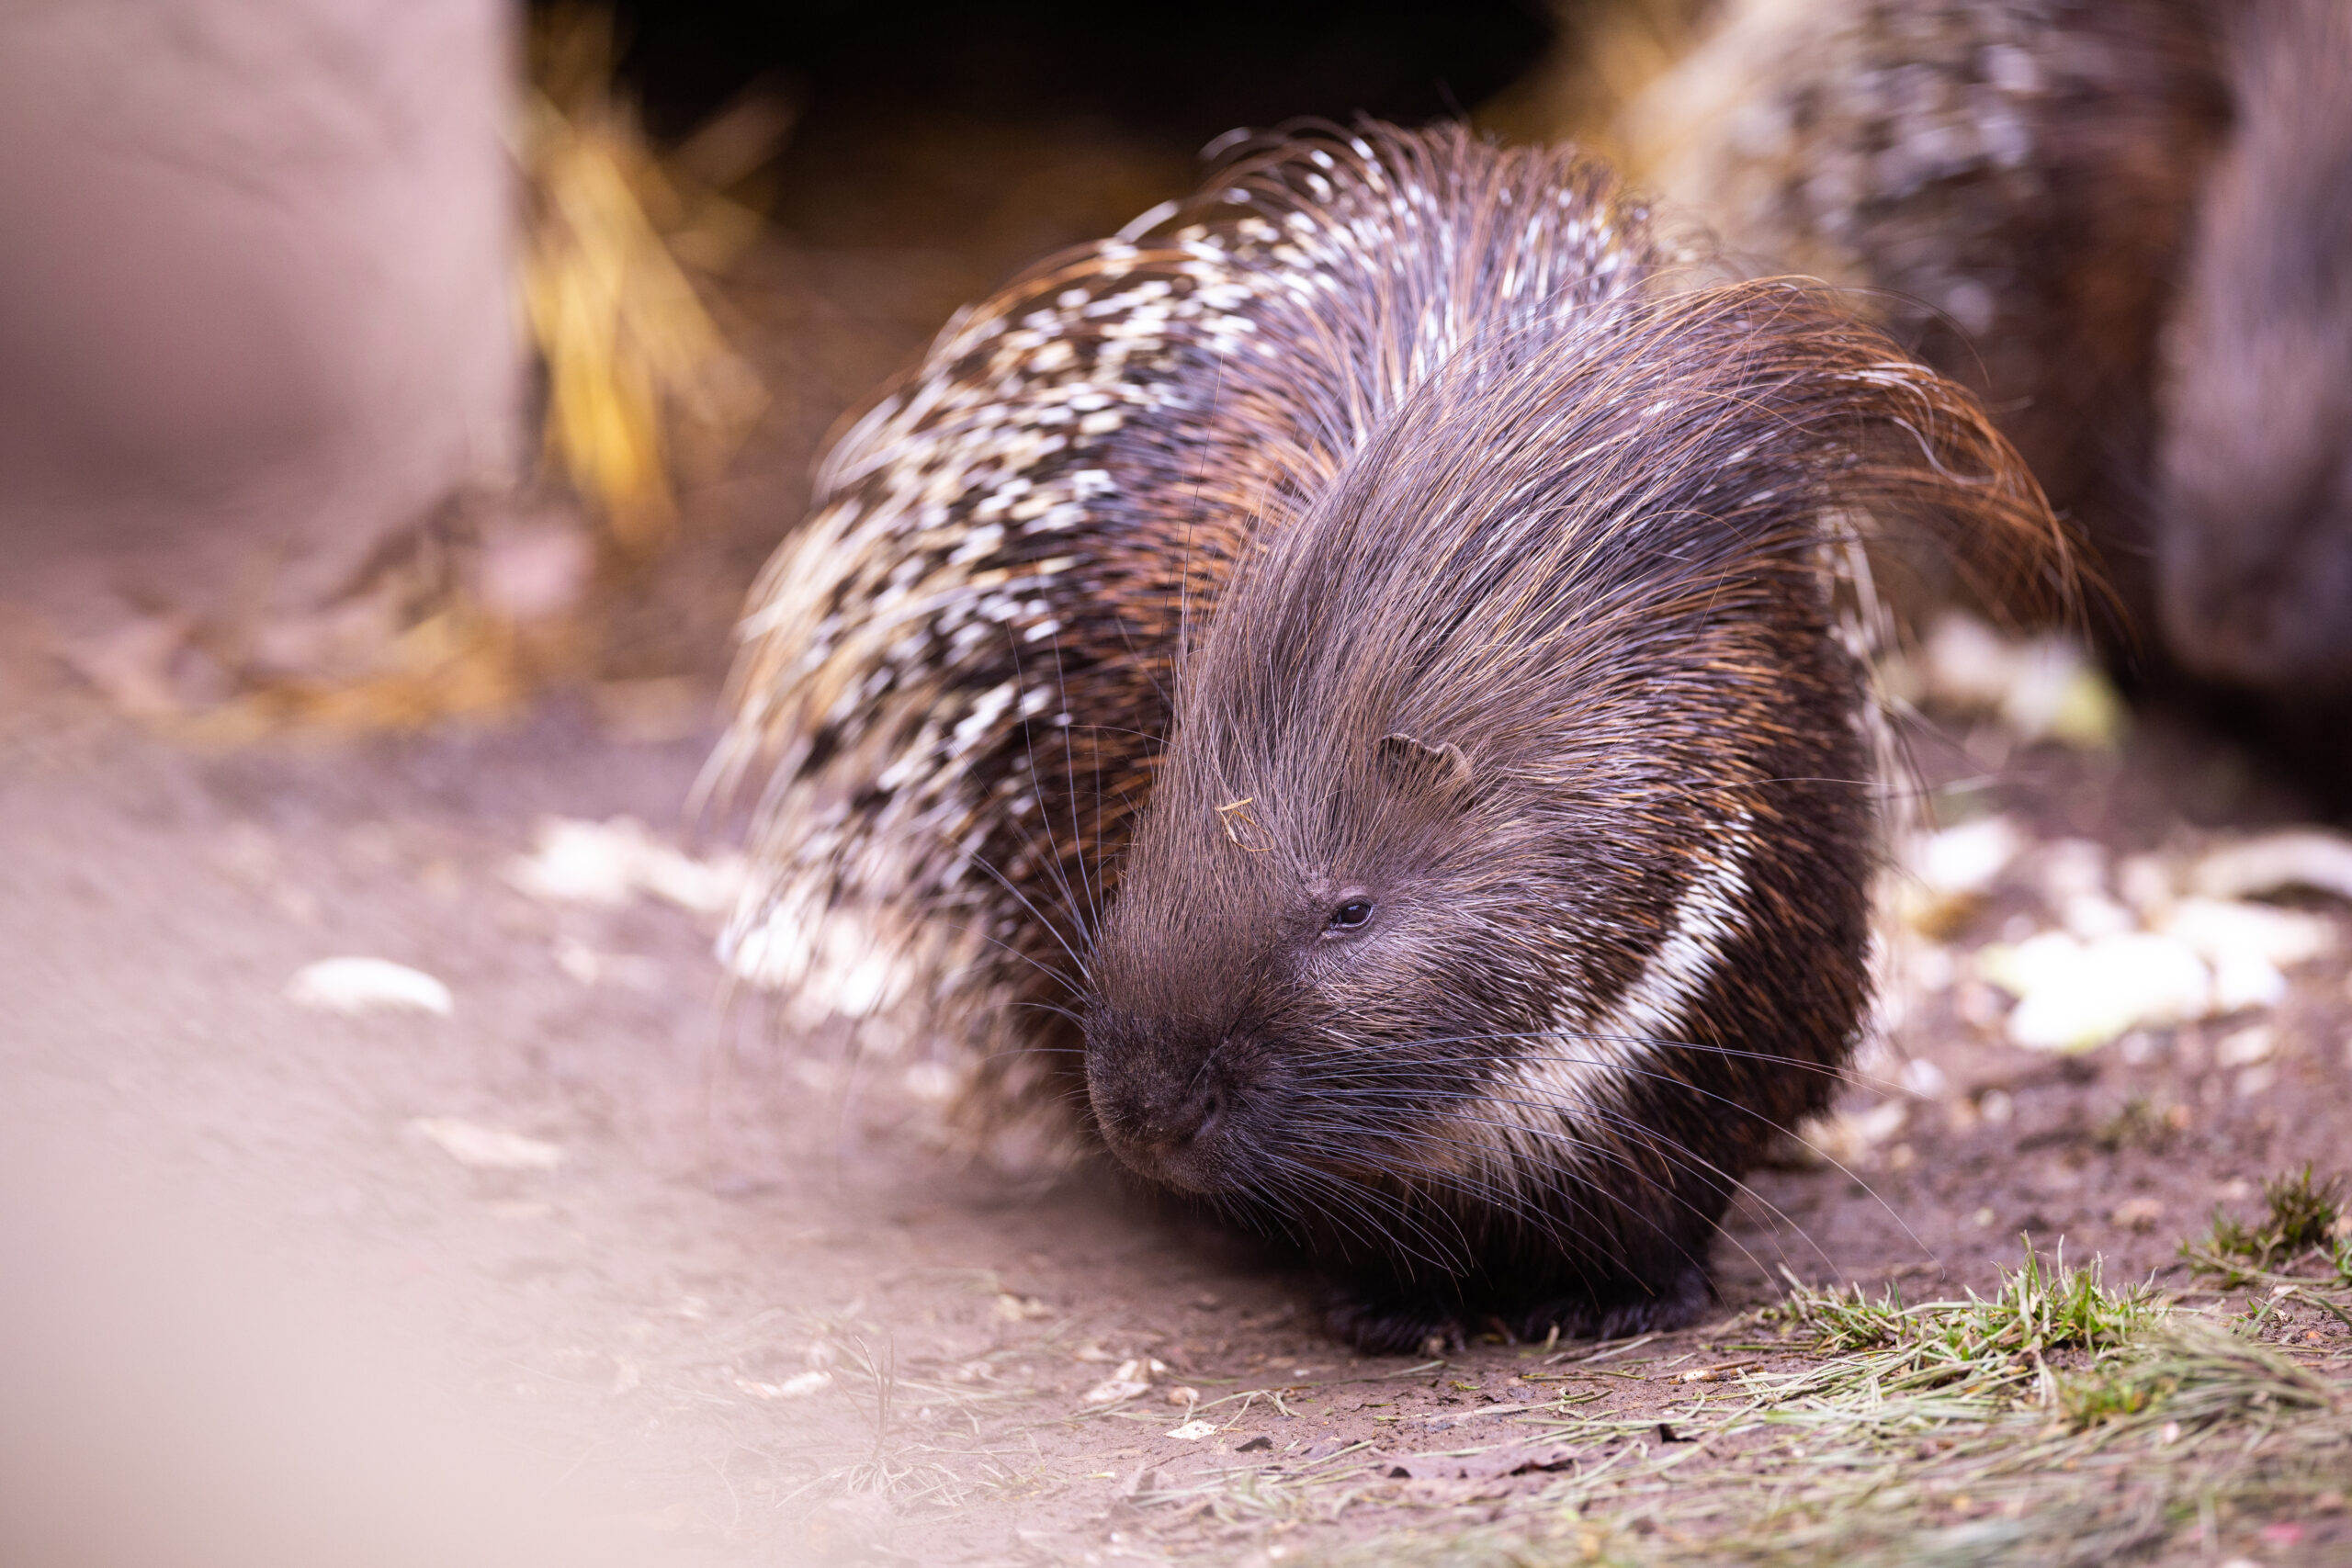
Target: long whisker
[[1014, 888], [1052, 861], [1060, 977], [1088, 917]]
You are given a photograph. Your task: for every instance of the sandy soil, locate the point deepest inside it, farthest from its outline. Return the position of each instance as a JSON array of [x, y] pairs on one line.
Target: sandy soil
[[762, 1310], [734, 1211]]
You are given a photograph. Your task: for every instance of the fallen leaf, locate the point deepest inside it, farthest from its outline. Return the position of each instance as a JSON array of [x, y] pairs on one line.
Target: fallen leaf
[[1882, 1122], [2247, 945], [573, 862], [1194, 1431], [1947, 872]]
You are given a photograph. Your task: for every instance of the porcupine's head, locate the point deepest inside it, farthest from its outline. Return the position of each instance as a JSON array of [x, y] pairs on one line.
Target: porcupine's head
[[1512, 839], [2254, 537]]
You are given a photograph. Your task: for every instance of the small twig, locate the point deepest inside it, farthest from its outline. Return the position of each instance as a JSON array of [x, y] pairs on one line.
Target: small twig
[[1238, 811]]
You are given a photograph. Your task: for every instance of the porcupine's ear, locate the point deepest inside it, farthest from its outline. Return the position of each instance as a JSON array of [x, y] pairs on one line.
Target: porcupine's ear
[[1436, 772]]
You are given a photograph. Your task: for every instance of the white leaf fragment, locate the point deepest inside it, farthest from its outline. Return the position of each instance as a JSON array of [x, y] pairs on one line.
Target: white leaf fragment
[[1194, 1430], [608, 863], [368, 985], [2274, 862], [1965, 860], [2039, 688], [1922, 1077], [2074, 995], [1113, 1390], [1134, 1377], [2225, 932], [795, 1387], [486, 1148], [1882, 1122]]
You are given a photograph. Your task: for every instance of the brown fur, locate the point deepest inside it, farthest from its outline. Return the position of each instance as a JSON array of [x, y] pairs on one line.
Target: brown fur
[[1609, 656], [1488, 566]]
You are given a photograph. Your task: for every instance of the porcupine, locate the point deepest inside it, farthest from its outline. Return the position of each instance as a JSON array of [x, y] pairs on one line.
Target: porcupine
[[2124, 224], [1349, 675]]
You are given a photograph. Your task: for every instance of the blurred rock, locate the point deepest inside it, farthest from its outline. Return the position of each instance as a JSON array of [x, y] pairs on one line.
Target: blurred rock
[[258, 313]]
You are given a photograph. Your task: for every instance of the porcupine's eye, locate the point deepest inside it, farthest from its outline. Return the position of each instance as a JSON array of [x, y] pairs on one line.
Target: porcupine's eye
[[1351, 915]]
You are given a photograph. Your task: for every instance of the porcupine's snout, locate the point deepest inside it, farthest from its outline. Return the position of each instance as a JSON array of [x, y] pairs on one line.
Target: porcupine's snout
[[1171, 1099]]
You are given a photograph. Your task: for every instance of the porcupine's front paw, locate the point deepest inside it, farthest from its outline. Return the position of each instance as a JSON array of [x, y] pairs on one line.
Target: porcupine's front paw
[[1383, 1323], [1662, 1304], [1386, 1322]]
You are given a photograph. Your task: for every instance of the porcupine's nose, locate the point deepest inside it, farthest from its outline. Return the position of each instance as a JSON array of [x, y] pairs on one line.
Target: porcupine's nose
[[1162, 1109]]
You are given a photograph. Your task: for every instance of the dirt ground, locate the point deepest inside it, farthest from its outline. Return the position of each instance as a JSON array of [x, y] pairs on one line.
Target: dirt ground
[[760, 1308]]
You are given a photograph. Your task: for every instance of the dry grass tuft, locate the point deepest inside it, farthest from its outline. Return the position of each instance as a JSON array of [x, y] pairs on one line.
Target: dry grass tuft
[[639, 377]]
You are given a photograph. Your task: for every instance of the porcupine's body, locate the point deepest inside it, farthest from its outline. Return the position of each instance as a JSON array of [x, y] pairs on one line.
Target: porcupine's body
[[2126, 224], [1378, 538]]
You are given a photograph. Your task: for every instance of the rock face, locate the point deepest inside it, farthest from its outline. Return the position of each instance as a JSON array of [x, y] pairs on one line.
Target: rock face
[[255, 311]]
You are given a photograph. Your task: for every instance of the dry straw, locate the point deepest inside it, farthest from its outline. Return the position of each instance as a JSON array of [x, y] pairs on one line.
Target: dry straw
[[640, 380]]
